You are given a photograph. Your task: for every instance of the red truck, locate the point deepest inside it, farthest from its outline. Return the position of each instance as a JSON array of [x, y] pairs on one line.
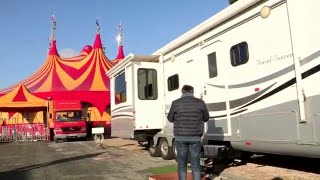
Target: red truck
[[68, 120]]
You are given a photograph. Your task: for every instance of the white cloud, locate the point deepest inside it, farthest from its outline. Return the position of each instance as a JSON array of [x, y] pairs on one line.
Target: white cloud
[[68, 52]]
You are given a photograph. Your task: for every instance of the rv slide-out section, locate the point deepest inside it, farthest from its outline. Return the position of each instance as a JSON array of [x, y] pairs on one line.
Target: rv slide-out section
[[255, 64], [135, 97]]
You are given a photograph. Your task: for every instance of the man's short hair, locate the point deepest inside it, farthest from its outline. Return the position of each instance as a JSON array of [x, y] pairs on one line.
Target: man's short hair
[[187, 88]]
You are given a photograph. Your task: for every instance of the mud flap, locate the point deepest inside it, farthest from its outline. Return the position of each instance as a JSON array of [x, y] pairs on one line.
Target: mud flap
[[215, 151], [122, 128]]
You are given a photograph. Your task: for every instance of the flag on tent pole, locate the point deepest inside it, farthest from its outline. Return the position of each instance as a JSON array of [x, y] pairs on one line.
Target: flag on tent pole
[[97, 23], [119, 36], [54, 23], [120, 27]]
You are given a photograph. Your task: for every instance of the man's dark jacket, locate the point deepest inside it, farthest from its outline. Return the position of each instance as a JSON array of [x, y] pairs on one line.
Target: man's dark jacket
[[188, 115]]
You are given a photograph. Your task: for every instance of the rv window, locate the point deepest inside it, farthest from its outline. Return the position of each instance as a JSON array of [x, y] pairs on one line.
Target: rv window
[[147, 84], [120, 89], [173, 82], [239, 54], [212, 64]]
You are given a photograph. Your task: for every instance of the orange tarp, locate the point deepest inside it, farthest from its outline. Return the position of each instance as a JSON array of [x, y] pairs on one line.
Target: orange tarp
[[21, 97]]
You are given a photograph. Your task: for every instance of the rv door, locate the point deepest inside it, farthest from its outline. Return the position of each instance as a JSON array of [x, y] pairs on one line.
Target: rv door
[[122, 119], [147, 97], [215, 91]]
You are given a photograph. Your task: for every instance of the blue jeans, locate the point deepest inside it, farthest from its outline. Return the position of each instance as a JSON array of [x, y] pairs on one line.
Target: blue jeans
[[194, 148]]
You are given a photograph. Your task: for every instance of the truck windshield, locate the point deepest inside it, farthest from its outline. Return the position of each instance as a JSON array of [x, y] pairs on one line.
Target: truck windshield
[[69, 116]]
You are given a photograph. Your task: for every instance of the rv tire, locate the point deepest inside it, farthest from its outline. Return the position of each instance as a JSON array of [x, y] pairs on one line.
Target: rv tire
[[166, 150], [153, 149], [174, 150]]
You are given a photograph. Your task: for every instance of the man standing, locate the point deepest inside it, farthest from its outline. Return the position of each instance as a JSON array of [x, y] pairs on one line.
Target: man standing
[[188, 115]]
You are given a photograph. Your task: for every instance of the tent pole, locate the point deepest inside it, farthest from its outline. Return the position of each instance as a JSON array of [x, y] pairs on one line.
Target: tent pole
[[47, 123]]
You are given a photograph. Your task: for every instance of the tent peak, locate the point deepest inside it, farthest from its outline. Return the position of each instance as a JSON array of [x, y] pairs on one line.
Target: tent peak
[[120, 52], [53, 48], [97, 42]]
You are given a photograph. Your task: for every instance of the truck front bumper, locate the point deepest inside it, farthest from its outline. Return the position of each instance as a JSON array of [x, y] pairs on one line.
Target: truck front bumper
[[75, 135]]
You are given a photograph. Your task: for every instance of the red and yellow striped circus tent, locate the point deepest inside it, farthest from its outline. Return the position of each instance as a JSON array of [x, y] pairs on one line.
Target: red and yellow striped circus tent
[[21, 97], [82, 77]]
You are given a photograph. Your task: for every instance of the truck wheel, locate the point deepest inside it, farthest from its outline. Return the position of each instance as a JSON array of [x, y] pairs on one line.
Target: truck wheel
[[56, 140], [166, 150], [154, 150]]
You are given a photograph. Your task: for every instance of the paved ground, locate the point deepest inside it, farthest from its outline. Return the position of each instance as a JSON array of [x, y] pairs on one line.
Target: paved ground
[[73, 160], [125, 159]]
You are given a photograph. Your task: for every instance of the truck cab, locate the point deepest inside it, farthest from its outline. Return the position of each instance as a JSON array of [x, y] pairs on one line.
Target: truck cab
[[69, 121]]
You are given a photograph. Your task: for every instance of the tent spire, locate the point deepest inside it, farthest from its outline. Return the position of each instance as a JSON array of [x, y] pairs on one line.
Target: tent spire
[[52, 38], [98, 26], [97, 42], [120, 44], [120, 37], [53, 30]]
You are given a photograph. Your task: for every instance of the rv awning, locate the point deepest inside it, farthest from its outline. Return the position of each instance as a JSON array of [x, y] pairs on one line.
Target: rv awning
[[132, 57], [146, 58], [20, 97]]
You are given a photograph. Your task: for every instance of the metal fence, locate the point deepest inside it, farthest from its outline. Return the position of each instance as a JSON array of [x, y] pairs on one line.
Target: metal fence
[[23, 133]]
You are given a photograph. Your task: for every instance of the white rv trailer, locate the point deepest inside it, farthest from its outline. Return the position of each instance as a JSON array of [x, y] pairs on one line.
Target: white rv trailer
[[255, 64]]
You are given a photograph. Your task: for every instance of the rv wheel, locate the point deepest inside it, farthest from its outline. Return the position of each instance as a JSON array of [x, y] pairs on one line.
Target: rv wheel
[[174, 149], [154, 150], [166, 150]]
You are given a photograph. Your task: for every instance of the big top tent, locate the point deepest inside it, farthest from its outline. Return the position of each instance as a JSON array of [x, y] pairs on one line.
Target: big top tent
[[82, 77]]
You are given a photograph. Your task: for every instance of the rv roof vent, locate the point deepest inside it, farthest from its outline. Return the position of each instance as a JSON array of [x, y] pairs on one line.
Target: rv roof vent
[[173, 57], [201, 43]]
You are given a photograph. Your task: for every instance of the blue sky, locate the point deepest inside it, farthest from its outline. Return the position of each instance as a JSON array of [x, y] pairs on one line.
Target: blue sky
[[147, 26]]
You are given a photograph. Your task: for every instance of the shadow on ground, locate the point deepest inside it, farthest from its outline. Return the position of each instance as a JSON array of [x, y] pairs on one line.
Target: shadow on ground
[[23, 172], [289, 162]]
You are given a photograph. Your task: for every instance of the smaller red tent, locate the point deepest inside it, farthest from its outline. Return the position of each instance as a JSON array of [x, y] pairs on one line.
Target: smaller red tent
[[20, 97]]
